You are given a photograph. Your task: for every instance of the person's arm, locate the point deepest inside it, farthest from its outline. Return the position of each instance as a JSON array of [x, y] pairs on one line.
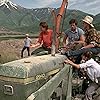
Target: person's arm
[[94, 39], [89, 46], [67, 61], [30, 42], [64, 40], [82, 40], [38, 43], [81, 37], [35, 45]]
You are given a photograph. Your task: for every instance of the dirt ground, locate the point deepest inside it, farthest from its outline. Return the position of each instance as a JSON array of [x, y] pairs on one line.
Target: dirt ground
[[11, 49]]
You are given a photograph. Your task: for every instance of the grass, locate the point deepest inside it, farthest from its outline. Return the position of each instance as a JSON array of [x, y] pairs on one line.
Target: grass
[[7, 56], [6, 37]]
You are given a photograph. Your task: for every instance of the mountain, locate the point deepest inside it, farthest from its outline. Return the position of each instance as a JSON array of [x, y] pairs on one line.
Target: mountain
[[17, 18], [97, 21], [8, 4]]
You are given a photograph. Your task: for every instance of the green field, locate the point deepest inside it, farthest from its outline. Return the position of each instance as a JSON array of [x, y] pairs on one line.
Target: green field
[[7, 37]]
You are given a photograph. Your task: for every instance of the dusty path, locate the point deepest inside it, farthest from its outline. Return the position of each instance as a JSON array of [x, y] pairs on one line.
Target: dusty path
[[11, 49]]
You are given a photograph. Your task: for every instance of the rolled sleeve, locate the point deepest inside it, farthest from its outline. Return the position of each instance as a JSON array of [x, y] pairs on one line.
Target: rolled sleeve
[[87, 64], [83, 65], [81, 32]]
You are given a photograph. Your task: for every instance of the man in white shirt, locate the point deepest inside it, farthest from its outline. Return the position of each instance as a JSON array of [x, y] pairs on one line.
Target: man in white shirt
[[93, 72], [27, 43]]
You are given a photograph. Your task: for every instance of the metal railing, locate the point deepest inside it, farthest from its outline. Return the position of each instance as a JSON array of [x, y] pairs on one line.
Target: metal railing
[[45, 92]]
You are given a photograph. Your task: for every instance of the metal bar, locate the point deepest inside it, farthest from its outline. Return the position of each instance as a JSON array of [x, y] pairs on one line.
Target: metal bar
[[46, 90]]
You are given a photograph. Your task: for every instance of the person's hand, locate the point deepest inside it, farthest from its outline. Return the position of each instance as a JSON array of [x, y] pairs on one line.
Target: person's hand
[[75, 42], [67, 61], [35, 45], [65, 48], [32, 46]]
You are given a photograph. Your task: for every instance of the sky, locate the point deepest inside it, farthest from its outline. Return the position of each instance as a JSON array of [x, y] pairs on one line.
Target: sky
[[88, 6]]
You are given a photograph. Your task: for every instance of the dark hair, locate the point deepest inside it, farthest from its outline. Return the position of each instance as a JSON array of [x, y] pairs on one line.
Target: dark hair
[[44, 25], [73, 21], [88, 54]]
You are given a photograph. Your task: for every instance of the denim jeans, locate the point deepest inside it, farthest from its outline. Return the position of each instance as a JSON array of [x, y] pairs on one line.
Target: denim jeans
[[79, 52]]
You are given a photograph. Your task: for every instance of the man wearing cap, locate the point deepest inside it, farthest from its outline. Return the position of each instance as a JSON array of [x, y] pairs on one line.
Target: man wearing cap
[[27, 43], [92, 41]]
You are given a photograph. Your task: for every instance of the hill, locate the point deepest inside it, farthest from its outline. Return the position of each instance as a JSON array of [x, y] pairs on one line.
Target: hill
[[97, 21], [16, 18]]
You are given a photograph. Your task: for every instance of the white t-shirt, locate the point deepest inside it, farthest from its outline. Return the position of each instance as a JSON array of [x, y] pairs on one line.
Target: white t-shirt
[[27, 42], [92, 67]]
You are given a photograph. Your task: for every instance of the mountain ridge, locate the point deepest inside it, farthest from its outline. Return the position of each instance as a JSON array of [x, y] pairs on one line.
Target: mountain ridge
[[27, 20]]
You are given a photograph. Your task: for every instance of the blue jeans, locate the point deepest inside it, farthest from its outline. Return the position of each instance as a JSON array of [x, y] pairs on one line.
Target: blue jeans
[[79, 52]]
